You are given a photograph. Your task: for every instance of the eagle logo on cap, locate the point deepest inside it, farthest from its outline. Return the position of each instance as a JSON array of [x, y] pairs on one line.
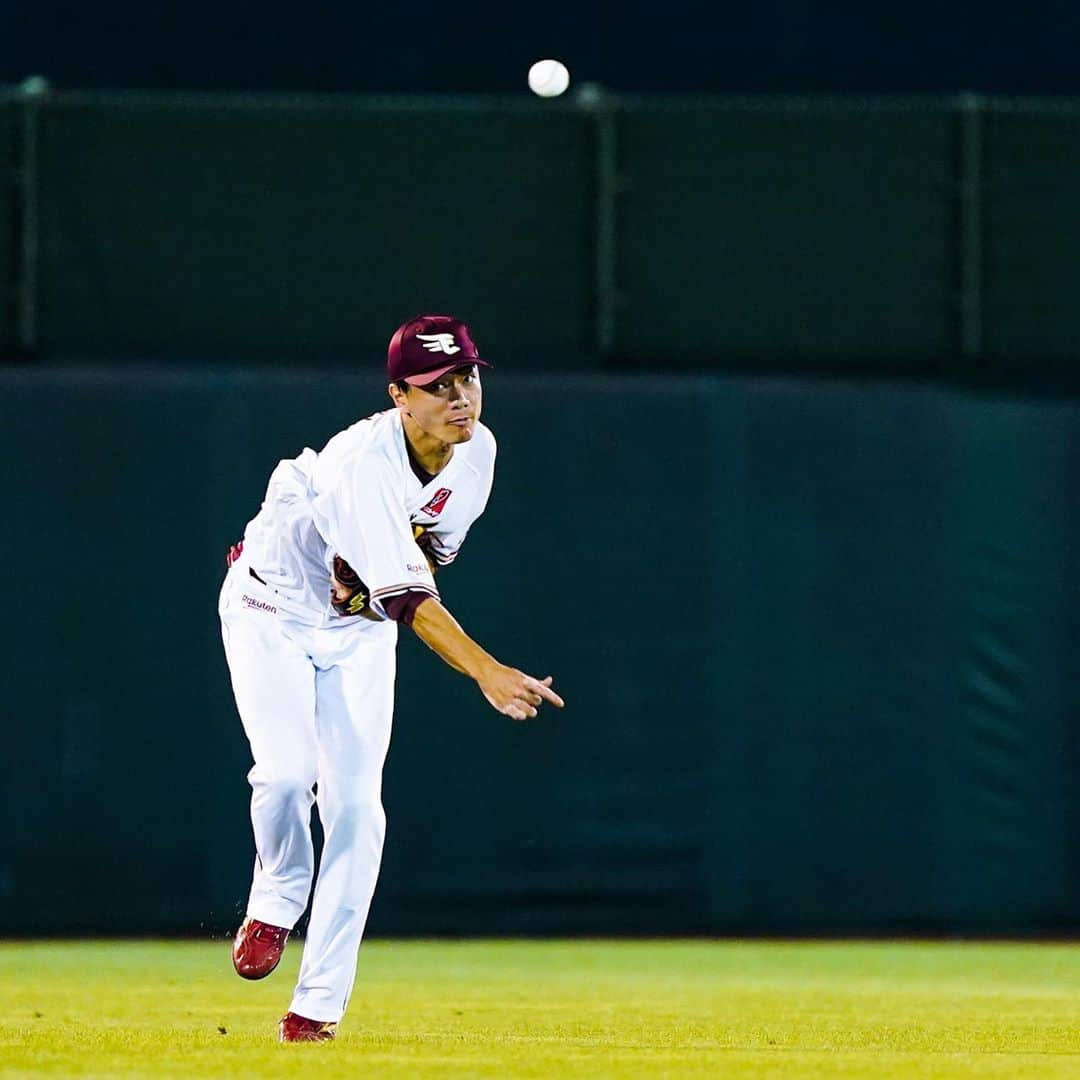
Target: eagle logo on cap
[[443, 343]]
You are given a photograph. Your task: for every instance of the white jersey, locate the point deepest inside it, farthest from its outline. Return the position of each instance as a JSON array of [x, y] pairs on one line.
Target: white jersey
[[360, 498]]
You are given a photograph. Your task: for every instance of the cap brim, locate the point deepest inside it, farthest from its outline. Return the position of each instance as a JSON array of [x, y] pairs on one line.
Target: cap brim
[[426, 377]]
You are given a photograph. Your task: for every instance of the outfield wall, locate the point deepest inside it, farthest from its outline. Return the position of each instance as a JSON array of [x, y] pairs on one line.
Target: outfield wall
[[8, 118], [818, 641], [880, 235]]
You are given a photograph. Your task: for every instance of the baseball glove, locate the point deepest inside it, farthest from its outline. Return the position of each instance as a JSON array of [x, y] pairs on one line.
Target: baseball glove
[[349, 595]]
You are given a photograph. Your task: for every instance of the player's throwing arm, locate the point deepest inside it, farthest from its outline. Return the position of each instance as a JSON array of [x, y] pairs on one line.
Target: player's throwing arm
[[509, 691]]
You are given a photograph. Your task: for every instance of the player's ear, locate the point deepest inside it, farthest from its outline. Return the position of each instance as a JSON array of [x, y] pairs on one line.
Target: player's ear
[[399, 397]]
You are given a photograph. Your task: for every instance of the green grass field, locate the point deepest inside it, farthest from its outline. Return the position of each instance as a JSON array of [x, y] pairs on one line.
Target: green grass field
[[554, 1009]]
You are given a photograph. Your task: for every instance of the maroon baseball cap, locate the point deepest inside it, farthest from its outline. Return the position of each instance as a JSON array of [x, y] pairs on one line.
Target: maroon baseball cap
[[427, 347]]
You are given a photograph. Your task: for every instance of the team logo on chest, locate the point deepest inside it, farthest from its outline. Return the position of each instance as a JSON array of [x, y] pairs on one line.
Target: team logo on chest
[[435, 506]]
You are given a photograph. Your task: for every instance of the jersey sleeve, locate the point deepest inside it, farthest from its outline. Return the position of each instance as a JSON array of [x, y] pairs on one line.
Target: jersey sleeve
[[366, 523]]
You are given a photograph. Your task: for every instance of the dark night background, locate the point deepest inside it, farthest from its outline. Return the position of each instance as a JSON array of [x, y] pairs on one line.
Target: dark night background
[[773, 46]]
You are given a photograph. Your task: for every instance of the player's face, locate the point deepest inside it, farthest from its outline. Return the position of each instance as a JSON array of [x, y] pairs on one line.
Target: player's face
[[448, 408]]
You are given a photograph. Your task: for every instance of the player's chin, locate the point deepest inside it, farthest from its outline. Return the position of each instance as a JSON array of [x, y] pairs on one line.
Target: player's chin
[[461, 432]]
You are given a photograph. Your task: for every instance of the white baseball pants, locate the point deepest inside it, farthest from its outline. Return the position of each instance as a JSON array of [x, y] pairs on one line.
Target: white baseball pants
[[316, 705]]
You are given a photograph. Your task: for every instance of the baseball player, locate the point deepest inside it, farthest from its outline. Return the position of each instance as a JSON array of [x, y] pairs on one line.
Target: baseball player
[[344, 549]]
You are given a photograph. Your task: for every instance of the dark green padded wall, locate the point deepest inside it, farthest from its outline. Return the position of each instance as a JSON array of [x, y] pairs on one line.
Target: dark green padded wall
[[817, 641], [7, 235], [1031, 224], [801, 234], [805, 230], [313, 228]]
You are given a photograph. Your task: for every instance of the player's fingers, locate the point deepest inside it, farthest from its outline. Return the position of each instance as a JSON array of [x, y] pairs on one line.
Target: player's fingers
[[522, 709], [543, 688]]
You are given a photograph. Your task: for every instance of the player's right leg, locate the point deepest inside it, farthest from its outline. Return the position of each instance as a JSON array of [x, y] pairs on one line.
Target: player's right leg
[[273, 681], [355, 704]]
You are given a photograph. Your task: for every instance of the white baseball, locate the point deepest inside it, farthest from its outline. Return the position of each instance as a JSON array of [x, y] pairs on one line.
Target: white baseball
[[548, 78]]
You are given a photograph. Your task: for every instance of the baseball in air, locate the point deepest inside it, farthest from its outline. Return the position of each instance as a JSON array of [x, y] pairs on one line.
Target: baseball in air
[[548, 78]]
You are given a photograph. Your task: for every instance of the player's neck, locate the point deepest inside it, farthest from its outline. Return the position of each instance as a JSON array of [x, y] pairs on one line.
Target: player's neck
[[430, 453]]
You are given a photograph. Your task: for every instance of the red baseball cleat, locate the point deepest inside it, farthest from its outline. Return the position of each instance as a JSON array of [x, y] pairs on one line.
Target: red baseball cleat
[[296, 1028], [257, 948]]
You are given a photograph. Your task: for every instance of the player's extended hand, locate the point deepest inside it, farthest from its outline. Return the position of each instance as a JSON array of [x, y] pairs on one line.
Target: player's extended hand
[[515, 694]]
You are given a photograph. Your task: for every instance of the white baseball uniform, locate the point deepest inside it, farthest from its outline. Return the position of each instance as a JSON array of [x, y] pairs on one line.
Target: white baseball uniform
[[314, 688]]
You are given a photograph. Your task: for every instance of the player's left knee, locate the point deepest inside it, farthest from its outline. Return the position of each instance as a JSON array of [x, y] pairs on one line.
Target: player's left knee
[[357, 814]]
